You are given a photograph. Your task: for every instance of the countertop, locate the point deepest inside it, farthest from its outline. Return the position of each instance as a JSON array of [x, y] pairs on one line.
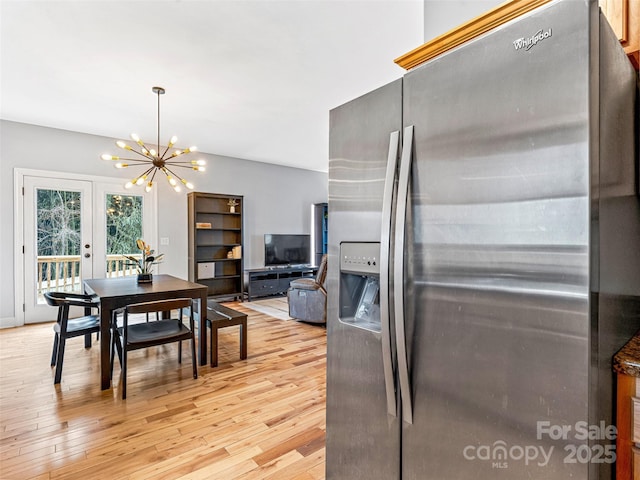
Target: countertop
[[627, 360]]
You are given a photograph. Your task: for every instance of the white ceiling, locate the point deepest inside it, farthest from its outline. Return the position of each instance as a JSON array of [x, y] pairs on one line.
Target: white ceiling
[[248, 79]]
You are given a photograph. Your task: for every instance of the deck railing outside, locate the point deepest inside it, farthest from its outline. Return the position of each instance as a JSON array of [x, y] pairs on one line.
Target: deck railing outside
[[62, 272]]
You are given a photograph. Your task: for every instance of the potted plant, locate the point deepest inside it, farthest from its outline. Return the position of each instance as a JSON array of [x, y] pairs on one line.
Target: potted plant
[[145, 264], [232, 203]]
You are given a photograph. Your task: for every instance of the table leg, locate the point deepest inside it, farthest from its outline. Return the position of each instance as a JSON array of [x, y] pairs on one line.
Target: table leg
[[202, 329], [105, 347], [243, 339], [214, 345]]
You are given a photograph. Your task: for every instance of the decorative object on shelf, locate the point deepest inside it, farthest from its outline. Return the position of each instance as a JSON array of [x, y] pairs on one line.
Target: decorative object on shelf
[[206, 270], [233, 203], [145, 264], [160, 160], [203, 225]]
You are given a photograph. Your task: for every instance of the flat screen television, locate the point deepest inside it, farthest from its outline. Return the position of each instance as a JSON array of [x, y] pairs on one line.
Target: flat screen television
[[284, 250]]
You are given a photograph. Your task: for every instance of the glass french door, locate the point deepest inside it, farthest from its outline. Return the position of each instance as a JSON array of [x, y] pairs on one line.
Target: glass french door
[[122, 216], [74, 230]]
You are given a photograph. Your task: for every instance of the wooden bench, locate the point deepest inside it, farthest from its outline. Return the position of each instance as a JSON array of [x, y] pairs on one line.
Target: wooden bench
[[219, 316]]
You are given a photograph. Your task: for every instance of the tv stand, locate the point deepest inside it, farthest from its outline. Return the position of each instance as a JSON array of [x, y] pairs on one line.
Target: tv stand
[[286, 267], [275, 280]]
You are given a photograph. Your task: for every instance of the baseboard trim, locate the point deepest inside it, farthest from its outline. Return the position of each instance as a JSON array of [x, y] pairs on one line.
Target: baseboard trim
[[8, 322]]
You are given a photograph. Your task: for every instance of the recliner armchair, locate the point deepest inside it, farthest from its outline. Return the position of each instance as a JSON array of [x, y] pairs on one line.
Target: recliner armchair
[[307, 297]]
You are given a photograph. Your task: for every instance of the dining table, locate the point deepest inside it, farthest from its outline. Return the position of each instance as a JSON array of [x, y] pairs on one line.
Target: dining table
[[118, 292]]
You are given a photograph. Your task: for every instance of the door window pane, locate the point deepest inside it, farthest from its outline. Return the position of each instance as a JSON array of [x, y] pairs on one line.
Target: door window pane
[[58, 221], [124, 227]]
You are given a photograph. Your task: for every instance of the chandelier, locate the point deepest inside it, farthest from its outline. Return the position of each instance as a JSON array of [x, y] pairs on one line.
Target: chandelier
[[153, 161]]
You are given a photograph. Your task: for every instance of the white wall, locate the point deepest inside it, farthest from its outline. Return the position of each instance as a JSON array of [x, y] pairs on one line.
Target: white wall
[[276, 199], [440, 16]]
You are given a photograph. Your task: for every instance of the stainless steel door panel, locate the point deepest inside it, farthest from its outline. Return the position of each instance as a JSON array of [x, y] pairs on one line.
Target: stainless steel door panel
[[363, 441], [495, 365], [500, 241], [358, 150]]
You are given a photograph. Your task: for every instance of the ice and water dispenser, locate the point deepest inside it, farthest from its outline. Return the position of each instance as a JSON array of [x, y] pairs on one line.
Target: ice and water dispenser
[[360, 285]]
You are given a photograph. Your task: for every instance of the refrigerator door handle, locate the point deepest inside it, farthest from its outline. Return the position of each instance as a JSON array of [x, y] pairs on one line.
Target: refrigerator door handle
[[398, 274], [385, 250]]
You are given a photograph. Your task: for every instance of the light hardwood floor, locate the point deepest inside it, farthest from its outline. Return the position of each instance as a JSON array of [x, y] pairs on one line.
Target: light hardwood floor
[[259, 418]]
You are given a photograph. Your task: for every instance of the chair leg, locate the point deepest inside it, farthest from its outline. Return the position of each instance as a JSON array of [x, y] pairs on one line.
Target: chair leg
[[124, 373], [87, 340], [54, 355], [194, 360], [180, 351], [116, 347], [61, 345], [111, 356]]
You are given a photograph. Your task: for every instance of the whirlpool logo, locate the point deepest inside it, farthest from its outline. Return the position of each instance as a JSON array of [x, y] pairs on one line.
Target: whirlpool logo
[[527, 43]]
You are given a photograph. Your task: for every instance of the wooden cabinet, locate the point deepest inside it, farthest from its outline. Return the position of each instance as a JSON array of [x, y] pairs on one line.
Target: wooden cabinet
[[216, 243], [626, 364], [628, 424], [624, 18]]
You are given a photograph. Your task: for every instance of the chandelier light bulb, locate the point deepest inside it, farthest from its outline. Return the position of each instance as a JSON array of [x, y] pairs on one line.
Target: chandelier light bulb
[[148, 187], [135, 137], [106, 156], [121, 165], [177, 188], [128, 184], [123, 145], [198, 162], [173, 141], [152, 152], [199, 168]]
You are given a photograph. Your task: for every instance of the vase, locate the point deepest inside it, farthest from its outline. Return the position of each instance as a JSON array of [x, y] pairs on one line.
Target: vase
[[145, 278], [232, 209]]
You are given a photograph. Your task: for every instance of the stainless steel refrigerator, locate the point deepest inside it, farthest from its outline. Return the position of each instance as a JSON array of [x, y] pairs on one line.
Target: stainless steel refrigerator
[[484, 258]]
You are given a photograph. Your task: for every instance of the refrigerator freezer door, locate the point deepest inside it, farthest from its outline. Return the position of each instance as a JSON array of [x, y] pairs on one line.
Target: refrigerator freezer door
[[499, 240], [363, 439]]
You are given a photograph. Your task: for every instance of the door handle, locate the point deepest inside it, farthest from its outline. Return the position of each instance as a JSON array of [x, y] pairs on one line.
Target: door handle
[[398, 274], [385, 250]]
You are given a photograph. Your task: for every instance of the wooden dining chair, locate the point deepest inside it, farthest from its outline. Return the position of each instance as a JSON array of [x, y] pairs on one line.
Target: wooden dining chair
[[143, 335], [66, 327]]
